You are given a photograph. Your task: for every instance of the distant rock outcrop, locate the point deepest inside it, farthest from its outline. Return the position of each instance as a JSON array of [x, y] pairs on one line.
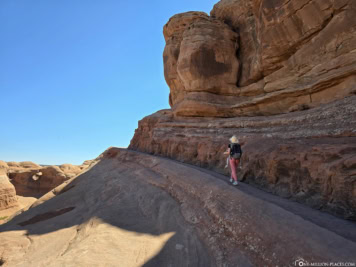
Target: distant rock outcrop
[[3, 167], [7, 193], [7, 190], [22, 183], [290, 97], [33, 180]]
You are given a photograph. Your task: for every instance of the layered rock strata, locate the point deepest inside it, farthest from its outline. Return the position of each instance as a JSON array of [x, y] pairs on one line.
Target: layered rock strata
[[259, 57], [292, 103], [308, 155], [33, 180], [8, 197], [7, 190], [200, 56], [142, 210]]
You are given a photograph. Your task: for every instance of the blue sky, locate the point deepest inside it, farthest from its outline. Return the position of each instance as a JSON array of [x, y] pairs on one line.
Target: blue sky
[[76, 76]]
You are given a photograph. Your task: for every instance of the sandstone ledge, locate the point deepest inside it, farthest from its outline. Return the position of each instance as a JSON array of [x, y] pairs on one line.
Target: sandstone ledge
[[306, 155]]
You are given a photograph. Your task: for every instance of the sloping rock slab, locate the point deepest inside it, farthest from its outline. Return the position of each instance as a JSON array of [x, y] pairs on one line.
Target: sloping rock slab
[[134, 209]]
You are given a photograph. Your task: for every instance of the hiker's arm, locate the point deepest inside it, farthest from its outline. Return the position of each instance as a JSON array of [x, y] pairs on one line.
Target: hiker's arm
[[227, 152]]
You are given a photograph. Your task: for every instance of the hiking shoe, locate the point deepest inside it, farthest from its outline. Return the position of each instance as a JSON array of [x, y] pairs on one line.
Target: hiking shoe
[[235, 183], [231, 180]]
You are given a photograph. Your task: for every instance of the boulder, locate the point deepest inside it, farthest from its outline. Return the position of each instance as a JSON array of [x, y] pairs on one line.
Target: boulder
[[71, 170], [8, 197], [13, 164], [3, 167], [29, 165]]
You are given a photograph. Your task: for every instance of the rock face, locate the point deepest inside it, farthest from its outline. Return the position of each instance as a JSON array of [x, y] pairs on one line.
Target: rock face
[[7, 190], [293, 56], [290, 37], [7, 193], [33, 180], [292, 105], [200, 56], [22, 183], [307, 155], [319, 173], [38, 181], [70, 170], [3, 167], [141, 210]]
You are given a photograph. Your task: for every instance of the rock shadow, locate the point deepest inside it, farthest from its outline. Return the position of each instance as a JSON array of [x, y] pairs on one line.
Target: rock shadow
[[117, 195]]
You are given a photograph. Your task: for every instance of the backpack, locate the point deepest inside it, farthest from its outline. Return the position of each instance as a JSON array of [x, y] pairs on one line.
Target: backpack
[[235, 151]]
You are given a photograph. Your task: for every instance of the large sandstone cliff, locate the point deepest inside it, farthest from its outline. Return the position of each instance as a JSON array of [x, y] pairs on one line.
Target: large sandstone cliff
[[279, 74]]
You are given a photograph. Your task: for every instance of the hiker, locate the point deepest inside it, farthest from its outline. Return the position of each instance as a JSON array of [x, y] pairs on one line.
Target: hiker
[[234, 151]]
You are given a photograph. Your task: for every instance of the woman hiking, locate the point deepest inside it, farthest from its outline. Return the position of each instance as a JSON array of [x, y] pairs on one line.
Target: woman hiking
[[234, 151]]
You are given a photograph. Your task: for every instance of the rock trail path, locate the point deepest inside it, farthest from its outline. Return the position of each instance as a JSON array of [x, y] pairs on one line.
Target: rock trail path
[[135, 209]]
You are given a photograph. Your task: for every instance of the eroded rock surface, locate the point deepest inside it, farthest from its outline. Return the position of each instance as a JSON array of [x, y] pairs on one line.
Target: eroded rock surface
[[306, 155], [290, 36], [142, 210], [200, 56], [7, 190], [294, 55], [292, 105], [33, 180], [3, 167], [8, 197], [22, 183]]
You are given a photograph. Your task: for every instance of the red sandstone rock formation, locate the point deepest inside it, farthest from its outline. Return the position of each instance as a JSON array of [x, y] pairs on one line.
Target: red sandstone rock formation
[[307, 156], [291, 38], [293, 56], [200, 56], [33, 180], [7, 193], [21, 183], [3, 167], [292, 105]]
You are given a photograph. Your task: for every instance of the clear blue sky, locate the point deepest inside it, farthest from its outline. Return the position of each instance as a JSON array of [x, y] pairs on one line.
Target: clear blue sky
[[77, 75]]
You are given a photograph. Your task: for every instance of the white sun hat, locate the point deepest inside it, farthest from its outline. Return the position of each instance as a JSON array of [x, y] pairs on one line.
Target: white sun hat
[[234, 139]]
